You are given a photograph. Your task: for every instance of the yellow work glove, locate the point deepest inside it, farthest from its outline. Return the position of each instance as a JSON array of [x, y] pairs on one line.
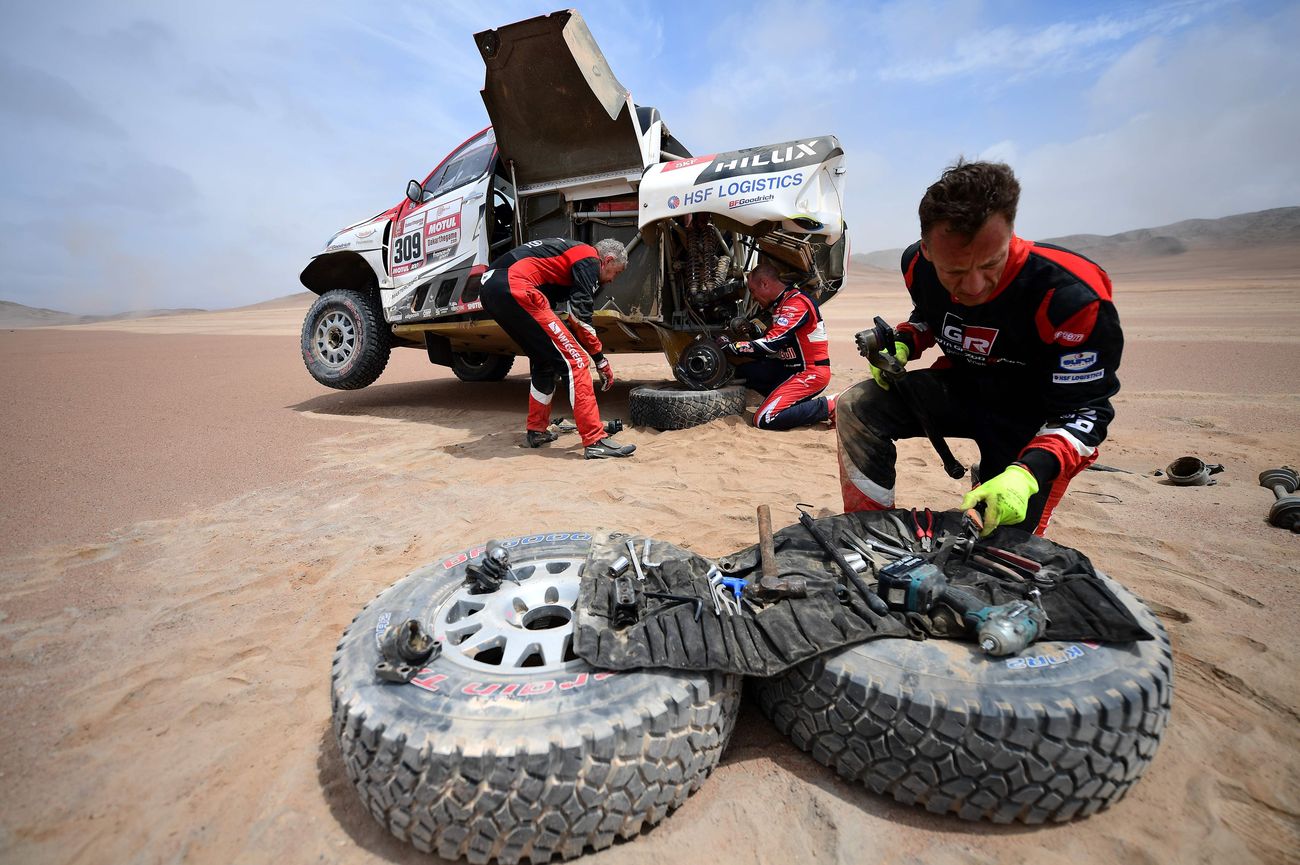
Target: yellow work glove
[[1005, 498], [901, 352]]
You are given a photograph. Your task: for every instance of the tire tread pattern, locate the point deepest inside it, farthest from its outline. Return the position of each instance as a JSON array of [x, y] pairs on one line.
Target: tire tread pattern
[[672, 408], [374, 339], [557, 797], [545, 797], [1005, 759]]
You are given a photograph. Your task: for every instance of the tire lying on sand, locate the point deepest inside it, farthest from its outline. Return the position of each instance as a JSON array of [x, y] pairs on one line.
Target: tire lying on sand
[[668, 407], [345, 342], [507, 746], [1060, 731]]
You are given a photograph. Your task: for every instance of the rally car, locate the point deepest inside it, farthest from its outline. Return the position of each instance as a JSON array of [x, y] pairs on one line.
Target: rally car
[[569, 154]]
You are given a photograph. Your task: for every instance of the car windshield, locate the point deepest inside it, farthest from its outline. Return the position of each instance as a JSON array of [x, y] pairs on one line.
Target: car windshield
[[465, 165]]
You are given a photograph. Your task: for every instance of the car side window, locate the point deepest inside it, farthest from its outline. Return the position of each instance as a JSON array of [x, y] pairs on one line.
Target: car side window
[[467, 164]]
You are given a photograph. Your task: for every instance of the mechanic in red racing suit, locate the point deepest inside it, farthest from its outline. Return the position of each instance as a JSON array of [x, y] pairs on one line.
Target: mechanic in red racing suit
[[1031, 343], [519, 289], [791, 361]]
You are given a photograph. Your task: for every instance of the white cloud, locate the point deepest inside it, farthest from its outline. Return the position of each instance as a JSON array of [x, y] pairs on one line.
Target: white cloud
[[1202, 126], [1056, 46]]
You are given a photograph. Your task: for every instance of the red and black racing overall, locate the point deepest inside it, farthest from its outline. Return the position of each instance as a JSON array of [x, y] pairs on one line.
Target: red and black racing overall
[[519, 290], [1028, 374], [792, 364]]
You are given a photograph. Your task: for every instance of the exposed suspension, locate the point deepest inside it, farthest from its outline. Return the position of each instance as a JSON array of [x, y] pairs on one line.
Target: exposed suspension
[[706, 269]]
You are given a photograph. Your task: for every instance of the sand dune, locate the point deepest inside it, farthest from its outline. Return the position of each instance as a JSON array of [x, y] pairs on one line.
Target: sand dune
[[190, 523]]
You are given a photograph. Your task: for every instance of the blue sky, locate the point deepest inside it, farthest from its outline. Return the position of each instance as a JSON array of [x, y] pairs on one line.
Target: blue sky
[[171, 155]]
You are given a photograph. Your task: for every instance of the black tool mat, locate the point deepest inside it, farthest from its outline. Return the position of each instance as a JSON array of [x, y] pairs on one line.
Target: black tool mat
[[667, 634], [774, 637]]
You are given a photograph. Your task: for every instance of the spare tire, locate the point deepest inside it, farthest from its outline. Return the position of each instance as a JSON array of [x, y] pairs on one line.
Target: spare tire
[[507, 746], [1059, 731], [668, 407]]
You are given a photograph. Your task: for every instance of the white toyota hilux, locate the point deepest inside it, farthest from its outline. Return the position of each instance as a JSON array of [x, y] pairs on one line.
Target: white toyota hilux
[[569, 154]]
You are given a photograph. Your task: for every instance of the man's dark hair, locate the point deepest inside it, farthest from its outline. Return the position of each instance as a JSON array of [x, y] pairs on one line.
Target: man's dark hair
[[969, 193]]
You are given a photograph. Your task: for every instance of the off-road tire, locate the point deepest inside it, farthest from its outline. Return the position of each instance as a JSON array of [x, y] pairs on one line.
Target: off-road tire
[[527, 762], [668, 407], [1058, 732], [474, 366], [345, 342]]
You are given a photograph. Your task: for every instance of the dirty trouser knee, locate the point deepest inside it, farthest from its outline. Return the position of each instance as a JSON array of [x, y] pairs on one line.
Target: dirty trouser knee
[[764, 375], [869, 419]]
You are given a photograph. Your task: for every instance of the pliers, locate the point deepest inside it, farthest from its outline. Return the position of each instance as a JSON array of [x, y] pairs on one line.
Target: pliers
[[924, 533]]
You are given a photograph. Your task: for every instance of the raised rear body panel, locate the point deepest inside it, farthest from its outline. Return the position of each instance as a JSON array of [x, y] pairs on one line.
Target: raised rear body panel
[[796, 186], [558, 111]]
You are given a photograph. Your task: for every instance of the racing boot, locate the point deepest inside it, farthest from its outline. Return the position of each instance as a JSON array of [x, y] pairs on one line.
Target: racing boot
[[537, 439], [607, 448]]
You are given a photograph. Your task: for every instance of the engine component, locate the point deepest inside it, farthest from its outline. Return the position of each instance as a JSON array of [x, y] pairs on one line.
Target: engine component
[[405, 648], [1285, 513], [623, 602], [746, 328], [706, 269], [485, 575]]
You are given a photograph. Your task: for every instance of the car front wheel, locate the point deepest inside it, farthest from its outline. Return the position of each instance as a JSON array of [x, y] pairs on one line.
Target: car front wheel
[[345, 343]]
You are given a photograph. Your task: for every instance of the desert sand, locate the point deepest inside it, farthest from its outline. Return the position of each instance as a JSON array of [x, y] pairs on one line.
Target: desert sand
[[190, 522]]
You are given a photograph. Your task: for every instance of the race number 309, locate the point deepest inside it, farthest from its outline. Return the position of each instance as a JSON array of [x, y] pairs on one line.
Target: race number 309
[[409, 247]]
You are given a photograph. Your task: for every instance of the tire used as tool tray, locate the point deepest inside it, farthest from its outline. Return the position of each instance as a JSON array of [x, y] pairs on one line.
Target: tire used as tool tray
[[668, 407], [1059, 731], [506, 746]]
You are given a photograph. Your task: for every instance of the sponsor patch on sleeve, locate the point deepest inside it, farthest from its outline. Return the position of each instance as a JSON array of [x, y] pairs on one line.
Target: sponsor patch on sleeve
[[1078, 361], [1077, 377], [782, 320]]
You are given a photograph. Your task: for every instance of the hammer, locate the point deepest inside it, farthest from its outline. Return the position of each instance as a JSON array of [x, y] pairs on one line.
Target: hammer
[[770, 585]]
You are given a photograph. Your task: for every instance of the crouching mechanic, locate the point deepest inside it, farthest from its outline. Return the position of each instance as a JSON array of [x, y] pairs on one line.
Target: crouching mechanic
[[1031, 344], [791, 361], [519, 290]]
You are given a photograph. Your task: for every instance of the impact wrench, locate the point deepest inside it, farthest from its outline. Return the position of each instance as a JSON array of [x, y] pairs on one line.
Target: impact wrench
[[911, 585]]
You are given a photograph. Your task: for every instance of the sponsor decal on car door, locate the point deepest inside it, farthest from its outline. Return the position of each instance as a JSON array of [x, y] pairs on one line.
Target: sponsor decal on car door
[[443, 230], [428, 235]]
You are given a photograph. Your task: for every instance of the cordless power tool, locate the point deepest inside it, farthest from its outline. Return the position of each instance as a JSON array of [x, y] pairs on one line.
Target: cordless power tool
[[913, 585]]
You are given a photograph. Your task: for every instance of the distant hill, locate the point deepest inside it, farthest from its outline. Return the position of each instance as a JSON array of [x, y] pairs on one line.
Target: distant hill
[[1275, 227], [15, 315]]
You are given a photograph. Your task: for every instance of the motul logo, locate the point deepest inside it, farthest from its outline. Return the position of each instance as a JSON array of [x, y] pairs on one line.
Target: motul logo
[[444, 224]]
